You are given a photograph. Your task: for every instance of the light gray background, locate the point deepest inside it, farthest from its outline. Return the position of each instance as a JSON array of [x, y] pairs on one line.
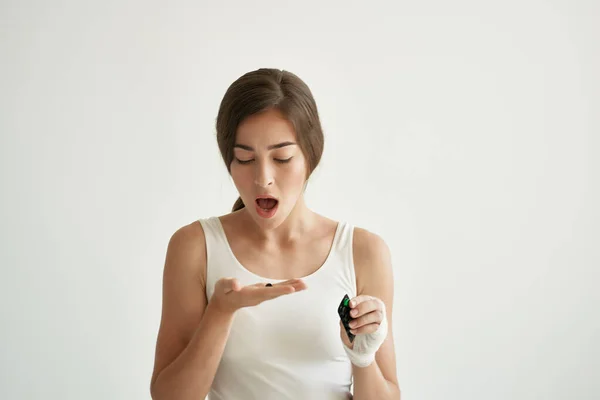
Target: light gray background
[[464, 133]]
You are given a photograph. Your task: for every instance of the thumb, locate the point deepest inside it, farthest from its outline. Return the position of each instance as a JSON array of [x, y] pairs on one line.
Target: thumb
[[230, 285]]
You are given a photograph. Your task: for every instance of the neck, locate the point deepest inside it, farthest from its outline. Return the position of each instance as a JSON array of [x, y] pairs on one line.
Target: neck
[[300, 221]]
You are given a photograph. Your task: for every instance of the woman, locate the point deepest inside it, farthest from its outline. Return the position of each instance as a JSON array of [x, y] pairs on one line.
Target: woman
[[250, 299]]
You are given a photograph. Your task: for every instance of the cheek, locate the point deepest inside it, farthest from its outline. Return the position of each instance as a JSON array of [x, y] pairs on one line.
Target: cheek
[[239, 176], [297, 173]]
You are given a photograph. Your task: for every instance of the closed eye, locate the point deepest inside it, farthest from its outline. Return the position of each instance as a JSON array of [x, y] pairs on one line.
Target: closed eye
[[276, 159]]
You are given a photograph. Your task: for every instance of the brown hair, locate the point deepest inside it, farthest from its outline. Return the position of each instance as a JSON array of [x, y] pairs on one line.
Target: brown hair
[[265, 89]]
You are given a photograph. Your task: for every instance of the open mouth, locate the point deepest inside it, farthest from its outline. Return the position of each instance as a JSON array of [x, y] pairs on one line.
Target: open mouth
[[266, 204]]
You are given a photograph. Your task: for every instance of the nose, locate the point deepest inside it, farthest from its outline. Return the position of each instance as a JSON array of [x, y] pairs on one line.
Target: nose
[[263, 176], [262, 184]]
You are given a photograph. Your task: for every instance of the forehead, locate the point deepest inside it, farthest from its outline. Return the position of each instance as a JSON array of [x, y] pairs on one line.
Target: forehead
[[265, 128]]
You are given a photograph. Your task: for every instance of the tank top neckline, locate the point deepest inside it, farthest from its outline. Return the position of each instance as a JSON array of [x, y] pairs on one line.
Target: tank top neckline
[[312, 275]]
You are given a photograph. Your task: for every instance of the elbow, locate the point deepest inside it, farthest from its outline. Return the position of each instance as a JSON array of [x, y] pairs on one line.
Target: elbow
[[393, 391], [154, 393], [396, 392]]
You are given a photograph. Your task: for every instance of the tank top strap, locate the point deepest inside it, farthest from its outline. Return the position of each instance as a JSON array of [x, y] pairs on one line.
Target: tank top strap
[[344, 237], [212, 236], [344, 265], [217, 262]]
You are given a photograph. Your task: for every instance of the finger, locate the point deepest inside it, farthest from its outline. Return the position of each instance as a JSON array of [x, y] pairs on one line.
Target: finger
[[370, 318], [276, 291], [288, 282], [365, 329], [229, 284], [261, 292], [297, 283], [359, 299], [288, 287], [269, 284], [365, 307]]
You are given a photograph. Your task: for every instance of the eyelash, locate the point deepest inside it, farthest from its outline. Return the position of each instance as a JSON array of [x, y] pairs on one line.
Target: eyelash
[[279, 161]]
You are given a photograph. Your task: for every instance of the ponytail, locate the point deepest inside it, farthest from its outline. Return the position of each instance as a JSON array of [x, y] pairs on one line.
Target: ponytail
[[239, 204]]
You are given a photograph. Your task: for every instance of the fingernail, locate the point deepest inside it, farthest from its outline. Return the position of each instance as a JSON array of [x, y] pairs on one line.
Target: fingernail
[[354, 312], [352, 303]]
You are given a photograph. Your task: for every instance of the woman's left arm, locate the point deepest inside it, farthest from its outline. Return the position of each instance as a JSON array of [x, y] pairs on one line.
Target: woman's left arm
[[375, 289]]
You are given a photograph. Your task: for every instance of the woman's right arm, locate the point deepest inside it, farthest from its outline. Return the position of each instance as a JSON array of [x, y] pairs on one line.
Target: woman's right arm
[[192, 333]]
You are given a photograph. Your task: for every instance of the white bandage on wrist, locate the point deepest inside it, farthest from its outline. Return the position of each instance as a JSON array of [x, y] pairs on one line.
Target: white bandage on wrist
[[365, 346]]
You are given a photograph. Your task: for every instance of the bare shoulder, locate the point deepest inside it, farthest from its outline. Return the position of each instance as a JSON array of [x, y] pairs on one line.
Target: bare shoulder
[[187, 250], [372, 261], [189, 234]]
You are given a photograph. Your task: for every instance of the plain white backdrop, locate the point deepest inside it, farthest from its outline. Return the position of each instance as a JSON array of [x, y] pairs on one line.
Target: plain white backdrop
[[465, 134]]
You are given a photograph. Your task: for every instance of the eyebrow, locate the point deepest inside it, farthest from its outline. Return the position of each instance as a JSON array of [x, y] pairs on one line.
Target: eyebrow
[[271, 147]]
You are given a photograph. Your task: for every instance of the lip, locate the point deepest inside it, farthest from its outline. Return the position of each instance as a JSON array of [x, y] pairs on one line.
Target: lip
[[266, 196]]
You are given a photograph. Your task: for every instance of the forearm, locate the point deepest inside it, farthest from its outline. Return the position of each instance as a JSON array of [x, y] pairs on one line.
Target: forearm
[[191, 374], [369, 384]]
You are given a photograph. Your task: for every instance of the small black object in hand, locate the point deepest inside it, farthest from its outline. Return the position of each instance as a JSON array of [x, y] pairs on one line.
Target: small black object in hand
[[344, 313], [268, 285]]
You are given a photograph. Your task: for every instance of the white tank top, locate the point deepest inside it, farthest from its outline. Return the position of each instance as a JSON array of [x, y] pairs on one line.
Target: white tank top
[[289, 347]]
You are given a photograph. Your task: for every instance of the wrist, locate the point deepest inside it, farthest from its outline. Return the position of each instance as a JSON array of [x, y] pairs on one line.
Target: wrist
[[359, 360], [364, 348], [216, 311]]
